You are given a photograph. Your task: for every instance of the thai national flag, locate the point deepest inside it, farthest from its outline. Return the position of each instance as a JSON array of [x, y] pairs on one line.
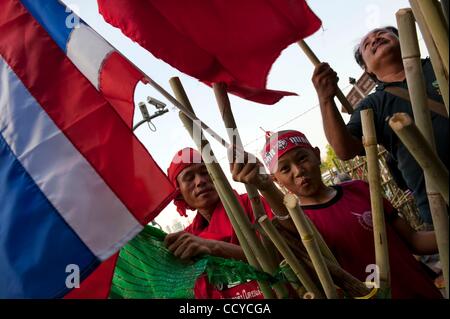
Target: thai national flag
[[75, 183]]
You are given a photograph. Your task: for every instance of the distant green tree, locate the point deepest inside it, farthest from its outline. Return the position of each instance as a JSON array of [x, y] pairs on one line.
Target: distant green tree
[[327, 160]]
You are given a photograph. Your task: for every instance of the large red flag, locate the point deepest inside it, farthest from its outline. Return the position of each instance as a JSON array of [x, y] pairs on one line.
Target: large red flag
[[231, 41]]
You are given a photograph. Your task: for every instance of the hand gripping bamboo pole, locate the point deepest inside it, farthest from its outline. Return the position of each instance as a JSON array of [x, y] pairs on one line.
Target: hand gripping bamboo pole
[[435, 21], [436, 60], [255, 200], [289, 256], [434, 169], [376, 199], [223, 187], [310, 243], [417, 91], [315, 61]]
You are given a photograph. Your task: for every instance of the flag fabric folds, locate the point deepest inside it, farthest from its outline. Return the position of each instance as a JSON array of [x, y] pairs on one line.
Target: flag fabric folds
[[75, 183], [229, 41]]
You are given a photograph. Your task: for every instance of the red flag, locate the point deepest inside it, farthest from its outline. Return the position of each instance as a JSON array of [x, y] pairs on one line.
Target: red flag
[[230, 41]]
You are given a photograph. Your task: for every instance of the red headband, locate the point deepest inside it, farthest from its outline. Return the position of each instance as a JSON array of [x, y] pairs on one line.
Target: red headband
[[280, 143], [182, 159]]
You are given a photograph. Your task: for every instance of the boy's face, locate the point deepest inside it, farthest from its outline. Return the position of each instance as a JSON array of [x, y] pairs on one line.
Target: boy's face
[[299, 171], [196, 187]]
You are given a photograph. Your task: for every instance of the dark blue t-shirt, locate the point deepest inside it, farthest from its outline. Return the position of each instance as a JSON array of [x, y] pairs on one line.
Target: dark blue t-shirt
[[384, 105]]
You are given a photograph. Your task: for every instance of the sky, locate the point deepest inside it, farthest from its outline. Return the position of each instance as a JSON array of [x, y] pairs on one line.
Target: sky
[[343, 25]]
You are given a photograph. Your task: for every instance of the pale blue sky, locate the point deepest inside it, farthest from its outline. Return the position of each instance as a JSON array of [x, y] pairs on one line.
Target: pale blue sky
[[344, 23]]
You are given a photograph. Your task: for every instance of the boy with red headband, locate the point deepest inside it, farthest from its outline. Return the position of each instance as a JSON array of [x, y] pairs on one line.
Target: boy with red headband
[[211, 232], [342, 214]]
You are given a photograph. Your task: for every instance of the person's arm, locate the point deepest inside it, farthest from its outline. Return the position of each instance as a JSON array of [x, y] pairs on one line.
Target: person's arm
[[250, 173], [344, 144], [185, 245], [419, 242]]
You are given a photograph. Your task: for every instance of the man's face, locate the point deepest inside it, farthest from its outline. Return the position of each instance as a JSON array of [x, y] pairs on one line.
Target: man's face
[[377, 46], [197, 188], [299, 171]]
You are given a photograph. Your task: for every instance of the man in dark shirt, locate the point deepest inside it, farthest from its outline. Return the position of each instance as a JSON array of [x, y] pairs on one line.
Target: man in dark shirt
[[380, 56]]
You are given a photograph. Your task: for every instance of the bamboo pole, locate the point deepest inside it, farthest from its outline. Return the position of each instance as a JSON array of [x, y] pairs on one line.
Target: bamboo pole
[[310, 243], [315, 61], [435, 21], [233, 135], [351, 285], [420, 149], [288, 255], [436, 173], [436, 60], [376, 200], [292, 278], [224, 190], [417, 91]]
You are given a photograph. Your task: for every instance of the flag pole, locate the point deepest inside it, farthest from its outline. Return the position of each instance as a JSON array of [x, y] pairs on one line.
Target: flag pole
[[315, 61]]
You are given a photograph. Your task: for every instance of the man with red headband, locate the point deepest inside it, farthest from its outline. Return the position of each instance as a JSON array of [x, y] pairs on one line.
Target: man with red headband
[[342, 214], [211, 232]]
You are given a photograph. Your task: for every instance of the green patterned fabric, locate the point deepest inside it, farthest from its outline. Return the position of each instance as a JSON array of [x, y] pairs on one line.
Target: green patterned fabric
[[146, 269]]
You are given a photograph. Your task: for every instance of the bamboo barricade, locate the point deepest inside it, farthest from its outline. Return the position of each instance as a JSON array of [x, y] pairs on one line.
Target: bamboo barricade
[[310, 243], [289, 256], [233, 134], [432, 13], [436, 60], [376, 200], [315, 61], [292, 278], [417, 91], [237, 215], [437, 173], [255, 201]]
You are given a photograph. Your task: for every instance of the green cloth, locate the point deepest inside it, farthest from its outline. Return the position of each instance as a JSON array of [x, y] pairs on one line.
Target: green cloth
[[145, 269]]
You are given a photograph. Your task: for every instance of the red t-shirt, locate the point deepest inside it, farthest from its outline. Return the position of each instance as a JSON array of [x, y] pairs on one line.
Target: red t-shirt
[[345, 223], [220, 228]]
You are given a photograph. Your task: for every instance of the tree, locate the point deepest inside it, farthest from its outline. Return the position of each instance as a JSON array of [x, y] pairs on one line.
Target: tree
[[327, 162]]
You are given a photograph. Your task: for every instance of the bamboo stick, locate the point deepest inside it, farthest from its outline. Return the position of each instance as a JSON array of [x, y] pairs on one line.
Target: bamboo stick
[[417, 91], [224, 189], [376, 200], [432, 13], [255, 200], [315, 61], [233, 135], [352, 286], [310, 243], [436, 174], [436, 60], [292, 278], [288, 255], [420, 149]]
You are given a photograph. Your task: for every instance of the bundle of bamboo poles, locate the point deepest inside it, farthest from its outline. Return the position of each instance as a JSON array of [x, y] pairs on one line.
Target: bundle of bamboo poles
[[250, 243], [436, 185]]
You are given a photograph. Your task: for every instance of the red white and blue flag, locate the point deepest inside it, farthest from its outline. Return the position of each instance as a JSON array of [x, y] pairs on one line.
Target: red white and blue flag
[[75, 183]]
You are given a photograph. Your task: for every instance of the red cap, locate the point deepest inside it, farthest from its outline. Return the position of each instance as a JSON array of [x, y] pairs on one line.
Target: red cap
[[280, 143], [182, 159]]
